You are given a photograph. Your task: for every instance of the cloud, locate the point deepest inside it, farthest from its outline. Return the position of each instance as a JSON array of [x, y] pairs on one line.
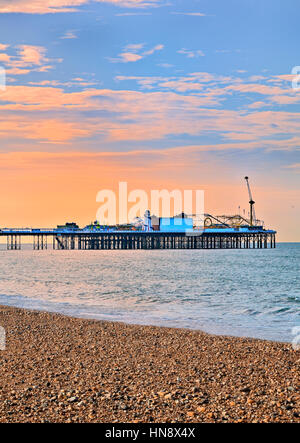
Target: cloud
[[51, 129], [56, 6], [134, 46], [69, 35], [294, 167], [39, 6], [127, 57], [193, 82], [275, 90], [50, 113], [134, 3], [192, 105], [151, 51], [133, 53], [165, 65], [275, 93], [32, 55], [258, 104], [4, 58], [192, 14], [23, 59], [73, 83], [191, 54]]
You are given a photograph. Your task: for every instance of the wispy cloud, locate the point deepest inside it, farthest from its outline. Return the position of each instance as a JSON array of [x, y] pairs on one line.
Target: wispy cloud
[[134, 3], [192, 14], [191, 54], [165, 65], [134, 47], [56, 6], [294, 167], [71, 34], [151, 51], [75, 82], [128, 115], [134, 52], [39, 6], [227, 51]]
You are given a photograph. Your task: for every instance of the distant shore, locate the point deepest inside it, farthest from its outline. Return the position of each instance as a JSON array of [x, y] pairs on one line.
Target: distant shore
[[62, 369]]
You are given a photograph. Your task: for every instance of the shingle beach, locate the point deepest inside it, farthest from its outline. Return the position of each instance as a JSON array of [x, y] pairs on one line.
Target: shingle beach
[[62, 369]]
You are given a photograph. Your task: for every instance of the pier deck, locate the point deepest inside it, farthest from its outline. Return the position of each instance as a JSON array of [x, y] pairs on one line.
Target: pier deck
[[120, 240]]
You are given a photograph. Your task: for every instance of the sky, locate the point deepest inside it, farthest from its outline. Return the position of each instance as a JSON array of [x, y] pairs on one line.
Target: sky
[[174, 94]]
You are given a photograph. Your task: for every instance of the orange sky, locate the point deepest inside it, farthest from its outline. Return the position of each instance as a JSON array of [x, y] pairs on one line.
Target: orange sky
[[43, 190], [91, 94]]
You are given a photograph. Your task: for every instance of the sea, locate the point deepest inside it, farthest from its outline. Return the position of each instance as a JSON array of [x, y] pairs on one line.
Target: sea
[[246, 293]]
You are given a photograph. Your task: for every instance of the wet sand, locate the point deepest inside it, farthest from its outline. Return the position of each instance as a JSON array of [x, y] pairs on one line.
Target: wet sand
[[62, 369]]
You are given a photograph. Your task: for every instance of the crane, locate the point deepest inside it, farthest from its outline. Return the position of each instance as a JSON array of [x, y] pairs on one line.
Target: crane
[[251, 202]]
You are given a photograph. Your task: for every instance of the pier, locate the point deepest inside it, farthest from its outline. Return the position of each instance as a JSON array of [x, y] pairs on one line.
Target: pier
[[180, 231], [130, 240]]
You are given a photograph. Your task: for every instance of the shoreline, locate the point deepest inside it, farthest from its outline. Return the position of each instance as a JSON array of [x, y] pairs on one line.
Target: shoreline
[[82, 316], [58, 368]]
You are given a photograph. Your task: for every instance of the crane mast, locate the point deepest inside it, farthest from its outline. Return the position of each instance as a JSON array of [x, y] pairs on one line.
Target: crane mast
[[251, 202]]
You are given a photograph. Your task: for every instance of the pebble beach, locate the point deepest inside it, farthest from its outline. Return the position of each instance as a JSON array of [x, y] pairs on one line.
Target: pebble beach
[[63, 369]]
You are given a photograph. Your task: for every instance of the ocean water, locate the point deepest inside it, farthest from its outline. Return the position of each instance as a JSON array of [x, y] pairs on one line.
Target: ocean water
[[253, 293]]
